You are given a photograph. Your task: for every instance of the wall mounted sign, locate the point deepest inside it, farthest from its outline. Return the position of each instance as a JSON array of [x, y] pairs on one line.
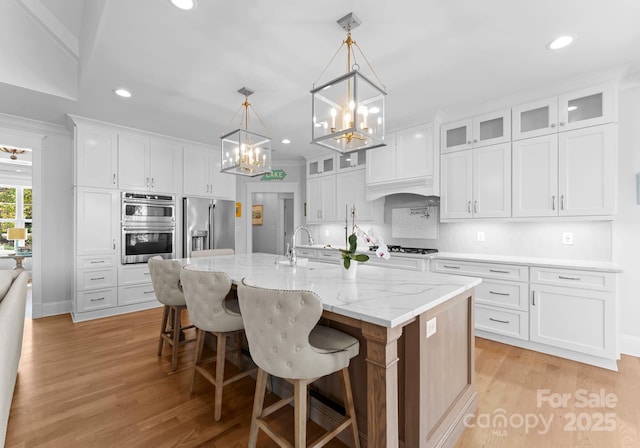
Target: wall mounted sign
[[274, 175], [238, 209]]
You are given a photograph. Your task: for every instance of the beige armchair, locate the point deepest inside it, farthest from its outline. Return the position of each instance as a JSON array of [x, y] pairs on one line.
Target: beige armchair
[[165, 277], [205, 293], [285, 341]]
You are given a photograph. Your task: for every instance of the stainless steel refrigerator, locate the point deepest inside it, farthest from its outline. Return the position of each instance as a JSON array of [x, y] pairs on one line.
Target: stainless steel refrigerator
[[207, 224]]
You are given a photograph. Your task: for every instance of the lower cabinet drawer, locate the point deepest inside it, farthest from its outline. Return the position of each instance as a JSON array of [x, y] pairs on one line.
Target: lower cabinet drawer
[[414, 264], [332, 256], [504, 294], [501, 321], [128, 295], [97, 300], [134, 274], [99, 278], [306, 253]]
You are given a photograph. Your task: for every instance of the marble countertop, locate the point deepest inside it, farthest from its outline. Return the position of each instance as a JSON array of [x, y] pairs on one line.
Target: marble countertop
[[386, 297], [587, 265]]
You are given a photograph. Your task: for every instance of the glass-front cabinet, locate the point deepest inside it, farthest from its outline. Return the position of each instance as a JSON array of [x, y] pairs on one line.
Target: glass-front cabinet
[[353, 160], [580, 109], [321, 166], [483, 130]]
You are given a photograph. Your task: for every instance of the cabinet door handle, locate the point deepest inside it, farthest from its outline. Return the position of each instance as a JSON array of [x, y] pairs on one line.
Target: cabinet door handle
[[568, 278], [553, 202], [561, 202], [147, 182], [147, 273], [553, 125], [499, 293], [114, 244], [499, 272], [96, 262], [114, 178], [475, 206], [97, 278], [469, 207], [152, 182], [149, 292], [533, 296], [450, 267], [98, 299], [498, 320]]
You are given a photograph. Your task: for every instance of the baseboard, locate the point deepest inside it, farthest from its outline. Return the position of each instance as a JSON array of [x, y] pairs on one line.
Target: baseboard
[[630, 345], [55, 308]]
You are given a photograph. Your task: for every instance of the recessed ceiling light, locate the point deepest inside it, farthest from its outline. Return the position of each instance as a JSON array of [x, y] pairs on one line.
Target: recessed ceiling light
[[560, 42], [286, 141], [124, 93], [374, 110], [184, 4], [571, 108], [18, 171]]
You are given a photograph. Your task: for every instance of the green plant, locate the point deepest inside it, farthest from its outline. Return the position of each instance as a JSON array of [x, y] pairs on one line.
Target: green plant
[[351, 242], [350, 253]]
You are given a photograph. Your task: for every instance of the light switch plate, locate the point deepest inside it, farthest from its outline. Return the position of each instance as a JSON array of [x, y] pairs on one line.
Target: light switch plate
[[480, 236], [431, 327], [567, 237]]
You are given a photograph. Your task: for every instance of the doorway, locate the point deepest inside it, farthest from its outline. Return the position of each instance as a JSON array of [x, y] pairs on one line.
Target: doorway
[[288, 191], [274, 227]]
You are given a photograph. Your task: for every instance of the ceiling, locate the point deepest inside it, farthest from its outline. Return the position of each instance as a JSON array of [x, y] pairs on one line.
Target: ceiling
[[184, 68]]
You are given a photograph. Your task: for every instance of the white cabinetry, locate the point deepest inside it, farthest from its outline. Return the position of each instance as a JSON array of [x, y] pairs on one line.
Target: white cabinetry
[[135, 285], [408, 164], [96, 231], [321, 199], [351, 192], [355, 160], [587, 107], [569, 174], [574, 310], [146, 164], [482, 130], [476, 183], [97, 225], [96, 156], [322, 166], [202, 176], [557, 310]]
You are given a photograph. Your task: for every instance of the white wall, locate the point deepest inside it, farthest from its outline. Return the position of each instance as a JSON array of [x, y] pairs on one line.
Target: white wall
[[52, 210], [626, 226], [265, 235]]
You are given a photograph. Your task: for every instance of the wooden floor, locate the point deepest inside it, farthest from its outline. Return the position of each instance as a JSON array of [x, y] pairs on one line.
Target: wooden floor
[[100, 384]]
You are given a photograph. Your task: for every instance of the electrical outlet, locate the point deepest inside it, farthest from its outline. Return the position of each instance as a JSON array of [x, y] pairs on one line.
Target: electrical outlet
[[567, 237], [480, 236], [431, 327]]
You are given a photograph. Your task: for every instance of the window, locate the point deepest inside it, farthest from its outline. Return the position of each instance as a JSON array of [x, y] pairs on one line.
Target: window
[[15, 211]]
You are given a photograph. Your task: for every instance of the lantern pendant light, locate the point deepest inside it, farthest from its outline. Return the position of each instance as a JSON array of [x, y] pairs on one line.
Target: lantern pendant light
[[245, 152], [348, 112]]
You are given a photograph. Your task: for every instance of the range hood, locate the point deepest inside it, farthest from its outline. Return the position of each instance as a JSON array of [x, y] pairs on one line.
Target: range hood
[[423, 186]]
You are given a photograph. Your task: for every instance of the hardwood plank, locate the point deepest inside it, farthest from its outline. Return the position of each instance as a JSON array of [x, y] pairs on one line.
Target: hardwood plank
[[100, 384]]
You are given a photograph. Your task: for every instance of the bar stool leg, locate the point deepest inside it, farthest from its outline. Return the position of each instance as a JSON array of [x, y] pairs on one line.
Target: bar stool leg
[[220, 359], [163, 328], [349, 407], [199, 348], [177, 324], [300, 412], [258, 402]]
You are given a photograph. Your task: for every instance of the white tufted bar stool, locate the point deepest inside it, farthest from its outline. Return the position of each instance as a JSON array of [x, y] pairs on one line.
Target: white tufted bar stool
[[205, 293], [285, 341], [211, 252], [165, 277]]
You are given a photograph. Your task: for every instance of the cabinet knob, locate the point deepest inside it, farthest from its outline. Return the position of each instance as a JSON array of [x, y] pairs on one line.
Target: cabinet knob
[[562, 123], [469, 142], [475, 140], [553, 125]]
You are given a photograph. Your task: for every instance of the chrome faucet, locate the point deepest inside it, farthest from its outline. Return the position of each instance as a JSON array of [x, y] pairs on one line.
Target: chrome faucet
[[293, 260]]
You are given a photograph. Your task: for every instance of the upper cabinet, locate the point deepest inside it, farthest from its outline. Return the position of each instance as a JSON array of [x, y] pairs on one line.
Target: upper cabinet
[[146, 164], [323, 166], [96, 156], [202, 176], [583, 108], [476, 183], [408, 164], [352, 161], [483, 130]]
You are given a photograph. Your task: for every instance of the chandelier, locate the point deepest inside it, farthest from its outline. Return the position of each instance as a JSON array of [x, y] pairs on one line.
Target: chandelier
[[245, 152], [13, 152], [348, 111]]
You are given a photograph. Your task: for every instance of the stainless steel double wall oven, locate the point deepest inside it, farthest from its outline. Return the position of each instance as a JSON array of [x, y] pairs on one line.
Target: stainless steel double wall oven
[[148, 227]]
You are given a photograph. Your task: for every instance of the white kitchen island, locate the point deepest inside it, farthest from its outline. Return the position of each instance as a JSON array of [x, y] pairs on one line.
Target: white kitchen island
[[409, 387]]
